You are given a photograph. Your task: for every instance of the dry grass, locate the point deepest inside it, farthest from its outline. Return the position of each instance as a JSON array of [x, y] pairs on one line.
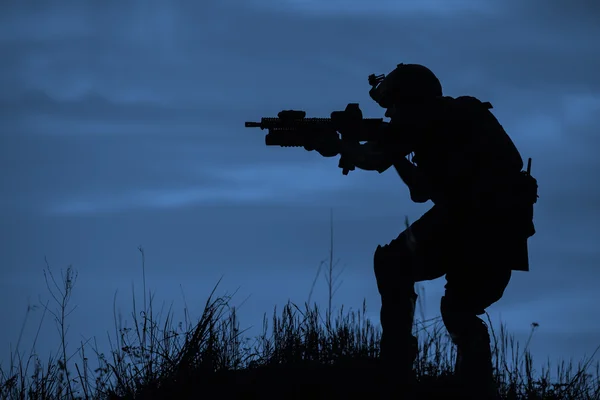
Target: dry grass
[[310, 354]]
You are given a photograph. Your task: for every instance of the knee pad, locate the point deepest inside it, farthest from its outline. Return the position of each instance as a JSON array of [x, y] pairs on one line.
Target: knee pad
[[462, 325], [396, 258], [393, 271], [380, 262], [380, 267]]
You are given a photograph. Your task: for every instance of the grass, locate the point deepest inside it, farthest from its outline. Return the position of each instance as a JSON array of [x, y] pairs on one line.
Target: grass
[[307, 353]]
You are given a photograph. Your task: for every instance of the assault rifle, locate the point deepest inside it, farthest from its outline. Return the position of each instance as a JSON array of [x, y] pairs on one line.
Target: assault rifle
[[291, 128]]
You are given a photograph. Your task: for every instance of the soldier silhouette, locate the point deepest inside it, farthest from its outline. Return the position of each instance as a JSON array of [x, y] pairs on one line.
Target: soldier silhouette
[[476, 232]]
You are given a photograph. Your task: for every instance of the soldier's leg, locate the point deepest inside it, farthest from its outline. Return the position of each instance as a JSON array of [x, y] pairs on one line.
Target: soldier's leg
[[398, 301], [398, 265], [468, 294]]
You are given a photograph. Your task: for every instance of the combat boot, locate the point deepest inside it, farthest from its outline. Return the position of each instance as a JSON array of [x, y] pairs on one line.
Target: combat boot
[[474, 370], [398, 378]]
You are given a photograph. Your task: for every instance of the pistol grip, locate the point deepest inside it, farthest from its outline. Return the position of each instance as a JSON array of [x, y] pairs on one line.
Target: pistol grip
[[345, 166]]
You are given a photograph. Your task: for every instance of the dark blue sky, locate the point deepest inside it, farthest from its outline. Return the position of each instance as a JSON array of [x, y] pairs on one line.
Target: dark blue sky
[[122, 125]]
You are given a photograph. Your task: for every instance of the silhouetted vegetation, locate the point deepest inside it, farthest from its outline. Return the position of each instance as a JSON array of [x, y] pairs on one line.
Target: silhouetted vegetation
[[301, 353]]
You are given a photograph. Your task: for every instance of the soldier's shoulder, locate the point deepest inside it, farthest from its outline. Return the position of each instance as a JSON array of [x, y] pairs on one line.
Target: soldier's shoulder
[[462, 108], [471, 101], [464, 102]]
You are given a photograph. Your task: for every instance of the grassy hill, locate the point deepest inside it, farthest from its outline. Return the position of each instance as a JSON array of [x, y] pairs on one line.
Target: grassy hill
[[301, 353]]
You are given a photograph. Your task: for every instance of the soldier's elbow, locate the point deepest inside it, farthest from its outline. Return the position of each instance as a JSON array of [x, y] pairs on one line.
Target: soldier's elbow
[[372, 162], [419, 197]]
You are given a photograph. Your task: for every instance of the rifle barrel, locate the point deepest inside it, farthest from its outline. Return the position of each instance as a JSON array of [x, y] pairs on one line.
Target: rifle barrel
[[252, 124]]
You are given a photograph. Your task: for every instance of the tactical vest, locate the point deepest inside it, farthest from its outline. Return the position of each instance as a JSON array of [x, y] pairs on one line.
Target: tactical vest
[[496, 192]]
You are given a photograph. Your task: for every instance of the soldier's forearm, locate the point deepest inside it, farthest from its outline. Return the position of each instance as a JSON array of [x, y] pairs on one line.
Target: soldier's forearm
[[420, 190], [366, 156], [373, 163], [407, 171]]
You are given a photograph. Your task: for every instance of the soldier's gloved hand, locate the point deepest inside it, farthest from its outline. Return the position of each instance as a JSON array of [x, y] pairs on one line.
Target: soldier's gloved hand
[[326, 145]]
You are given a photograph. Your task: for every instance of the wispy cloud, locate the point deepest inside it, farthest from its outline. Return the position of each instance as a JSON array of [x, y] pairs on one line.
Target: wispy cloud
[[127, 117], [251, 185], [387, 7]]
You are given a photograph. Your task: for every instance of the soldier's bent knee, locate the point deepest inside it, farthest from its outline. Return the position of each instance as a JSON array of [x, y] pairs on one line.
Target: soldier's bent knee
[[392, 269], [462, 324], [378, 258], [389, 259]]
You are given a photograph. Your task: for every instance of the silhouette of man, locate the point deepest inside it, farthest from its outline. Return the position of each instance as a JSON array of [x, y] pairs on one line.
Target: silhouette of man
[[475, 234]]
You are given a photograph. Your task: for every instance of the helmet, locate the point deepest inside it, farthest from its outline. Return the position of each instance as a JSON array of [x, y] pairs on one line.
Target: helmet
[[406, 82]]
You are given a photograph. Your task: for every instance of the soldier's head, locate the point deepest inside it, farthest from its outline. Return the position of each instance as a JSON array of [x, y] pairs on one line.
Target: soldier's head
[[408, 85]]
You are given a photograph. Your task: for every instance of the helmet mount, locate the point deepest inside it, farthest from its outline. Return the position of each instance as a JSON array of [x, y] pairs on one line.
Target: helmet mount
[[407, 82]]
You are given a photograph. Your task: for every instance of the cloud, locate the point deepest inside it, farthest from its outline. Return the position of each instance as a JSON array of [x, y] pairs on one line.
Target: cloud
[[253, 185], [150, 111], [374, 8], [193, 49], [125, 124]]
